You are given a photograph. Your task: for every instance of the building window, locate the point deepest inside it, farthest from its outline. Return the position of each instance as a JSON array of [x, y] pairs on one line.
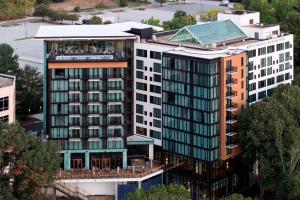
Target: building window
[[141, 131], [242, 61], [252, 53], [270, 49], [141, 86], [287, 76], [139, 64], [139, 119], [269, 61], [270, 81], [157, 78], [252, 98], [261, 84], [250, 66], [155, 100], [141, 97], [280, 46], [262, 94], [3, 103], [252, 86], [141, 53], [156, 123], [281, 67], [263, 62], [250, 76], [262, 72], [262, 51], [155, 55], [4, 119], [269, 71], [287, 45], [139, 74], [155, 134], [156, 113], [139, 109], [155, 89], [280, 78], [251, 21], [157, 67]]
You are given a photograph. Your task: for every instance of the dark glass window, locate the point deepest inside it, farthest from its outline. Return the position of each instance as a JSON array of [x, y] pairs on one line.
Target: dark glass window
[[157, 78], [155, 134], [157, 67], [4, 103], [271, 81], [155, 89], [4, 119], [270, 49], [280, 78], [139, 109], [262, 94], [139, 64], [156, 113], [252, 98], [139, 74], [141, 131], [261, 84], [141, 86], [141, 97], [280, 46], [141, 53], [261, 51], [252, 53], [155, 55], [155, 100]]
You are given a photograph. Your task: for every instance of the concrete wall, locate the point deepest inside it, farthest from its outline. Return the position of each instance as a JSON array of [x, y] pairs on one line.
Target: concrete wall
[[9, 91]]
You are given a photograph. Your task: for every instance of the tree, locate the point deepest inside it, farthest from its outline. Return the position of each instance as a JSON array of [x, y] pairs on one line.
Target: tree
[[72, 17], [179, 13], [238, 6], [95, 20], [211, 15], [171, 191], [161, 2], [179, 22], [8, 60], [237, 197], [26, 163], [123, 3], [265, 9], [152, 21], [270, 134], [41, 10], [283, 8], [29, 90]]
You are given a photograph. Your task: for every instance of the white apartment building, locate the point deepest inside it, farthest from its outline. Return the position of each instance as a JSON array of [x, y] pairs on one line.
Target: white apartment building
[[7, 98], [148, 90], [269, 52]]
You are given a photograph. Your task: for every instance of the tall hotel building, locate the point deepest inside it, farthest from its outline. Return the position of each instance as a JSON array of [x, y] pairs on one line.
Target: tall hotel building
[[118, 90]]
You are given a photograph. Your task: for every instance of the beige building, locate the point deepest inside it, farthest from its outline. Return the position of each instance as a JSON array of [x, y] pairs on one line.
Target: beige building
[[7, 98]]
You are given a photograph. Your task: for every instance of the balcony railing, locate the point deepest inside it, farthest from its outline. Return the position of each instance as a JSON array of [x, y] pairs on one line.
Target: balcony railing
[[231, 121], [231, 95], [231, 70], [231, 146], [231, 83], [231, 107]]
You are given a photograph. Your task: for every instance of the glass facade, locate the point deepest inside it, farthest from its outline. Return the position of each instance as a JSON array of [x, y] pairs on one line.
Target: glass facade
[[87, 107], [191, 108]]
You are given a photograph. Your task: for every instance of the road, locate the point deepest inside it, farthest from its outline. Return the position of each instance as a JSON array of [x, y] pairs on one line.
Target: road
[[30, 51]]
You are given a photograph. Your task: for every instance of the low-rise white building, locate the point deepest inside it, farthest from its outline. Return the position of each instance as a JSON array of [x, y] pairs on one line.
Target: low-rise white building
[[7, 98]]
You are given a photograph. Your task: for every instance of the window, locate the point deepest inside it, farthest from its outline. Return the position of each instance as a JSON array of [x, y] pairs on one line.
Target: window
[[270, 49], [252, 53], [251, 21], [156, 123], [139, 119], [141, 97], [256, 35], [271, 81], [4, 119], [139, 64], [250, 66], [287, 45], [280, 46], [287, 65], [281, 67], [287, 56], [157, 67], [280, 78], [262, 94], [281, 57], [155, 89], [262, 51], [3, 103], [155, 100], [141, 86], [252, 86], [261, 84], [157, 78], [263, 62], [139, 109], [155, 55], [252, 98], [155, 134], [269, 71], [139, 74], [156, 113], [287, 76], [262, 72], [141, 53], [250, 76], [141, 131], [269, 61], [242, 61]]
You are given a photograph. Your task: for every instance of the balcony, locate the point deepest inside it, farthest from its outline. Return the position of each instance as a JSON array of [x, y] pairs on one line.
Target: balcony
[[231, 70], [114, 122], [231, 95], [231, 83], [231, 121], [232, 107], [231, 146], [114, 76], [74, 88], [74, 100], [231, 134]]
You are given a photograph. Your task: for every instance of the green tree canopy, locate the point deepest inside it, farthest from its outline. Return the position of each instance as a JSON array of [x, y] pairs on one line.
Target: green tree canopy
[[171, 191], [151, 21], [237, 197], [8, 60], [179, 21], [26, 164], [95, 20], [29, 90], [42, 10], [270, 134]]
